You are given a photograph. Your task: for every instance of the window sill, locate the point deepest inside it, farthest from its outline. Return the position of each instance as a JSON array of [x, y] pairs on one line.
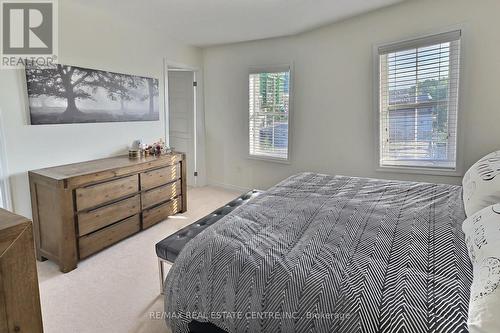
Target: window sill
[[269, 159], [421, 171]]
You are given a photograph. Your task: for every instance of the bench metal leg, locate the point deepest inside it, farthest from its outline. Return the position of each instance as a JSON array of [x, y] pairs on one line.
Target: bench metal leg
[[161, 270]]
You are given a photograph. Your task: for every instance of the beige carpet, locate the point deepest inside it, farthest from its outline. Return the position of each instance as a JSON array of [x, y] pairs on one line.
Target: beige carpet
[[117, 289]]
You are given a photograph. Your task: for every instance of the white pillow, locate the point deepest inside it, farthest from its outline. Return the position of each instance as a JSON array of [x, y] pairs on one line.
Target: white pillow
[[481, 184], [482, 235]]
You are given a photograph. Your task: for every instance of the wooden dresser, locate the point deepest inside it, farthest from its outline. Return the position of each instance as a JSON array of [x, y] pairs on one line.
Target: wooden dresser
[[79, 209], [19, 296]]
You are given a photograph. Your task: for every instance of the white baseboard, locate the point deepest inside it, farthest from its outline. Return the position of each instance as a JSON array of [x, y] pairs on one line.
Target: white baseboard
[[229, 186]]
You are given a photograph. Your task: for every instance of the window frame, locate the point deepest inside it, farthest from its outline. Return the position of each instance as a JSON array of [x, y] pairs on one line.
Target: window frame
[[458, 171], [266, 69]]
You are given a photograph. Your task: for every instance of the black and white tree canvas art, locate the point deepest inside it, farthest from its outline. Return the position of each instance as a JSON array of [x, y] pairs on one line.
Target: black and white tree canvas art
[[70, 94]]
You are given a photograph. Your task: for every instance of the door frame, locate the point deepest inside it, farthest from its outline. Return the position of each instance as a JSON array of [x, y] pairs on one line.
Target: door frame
[[4, 173], [198, 116]]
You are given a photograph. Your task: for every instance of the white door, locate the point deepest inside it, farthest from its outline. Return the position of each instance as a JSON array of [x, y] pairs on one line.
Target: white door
[[181, 117]]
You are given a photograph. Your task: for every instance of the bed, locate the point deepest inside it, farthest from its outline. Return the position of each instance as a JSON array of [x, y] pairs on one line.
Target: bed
[[319, 253]]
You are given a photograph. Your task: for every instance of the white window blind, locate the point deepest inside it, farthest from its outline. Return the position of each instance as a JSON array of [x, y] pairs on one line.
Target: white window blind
[[418, 108], [269, 112]]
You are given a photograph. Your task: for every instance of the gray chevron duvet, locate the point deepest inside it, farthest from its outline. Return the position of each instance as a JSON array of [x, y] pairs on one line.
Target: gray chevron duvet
[[319, 253]]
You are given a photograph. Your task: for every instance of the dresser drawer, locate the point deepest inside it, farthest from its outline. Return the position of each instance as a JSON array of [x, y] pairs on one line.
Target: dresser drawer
[[98, 218], [160, 213], [161, 176], [99, 194], [161, 194], [101, 239]]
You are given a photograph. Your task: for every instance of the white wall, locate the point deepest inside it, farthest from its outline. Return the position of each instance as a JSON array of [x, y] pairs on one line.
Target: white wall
[[333, 122], [93, 39]]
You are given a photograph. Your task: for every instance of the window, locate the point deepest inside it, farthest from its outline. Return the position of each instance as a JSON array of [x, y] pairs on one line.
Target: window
[[269, 113], [418, 102]]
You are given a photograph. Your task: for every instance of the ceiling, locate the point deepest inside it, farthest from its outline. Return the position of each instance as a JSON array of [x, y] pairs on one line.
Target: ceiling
[[211, 22]]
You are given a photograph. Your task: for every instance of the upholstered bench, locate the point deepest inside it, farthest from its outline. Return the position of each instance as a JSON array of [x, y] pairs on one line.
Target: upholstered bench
[[168, 249]]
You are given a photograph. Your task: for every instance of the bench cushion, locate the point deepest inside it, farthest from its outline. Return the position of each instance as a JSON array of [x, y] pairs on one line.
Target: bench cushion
[[169, 248]]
